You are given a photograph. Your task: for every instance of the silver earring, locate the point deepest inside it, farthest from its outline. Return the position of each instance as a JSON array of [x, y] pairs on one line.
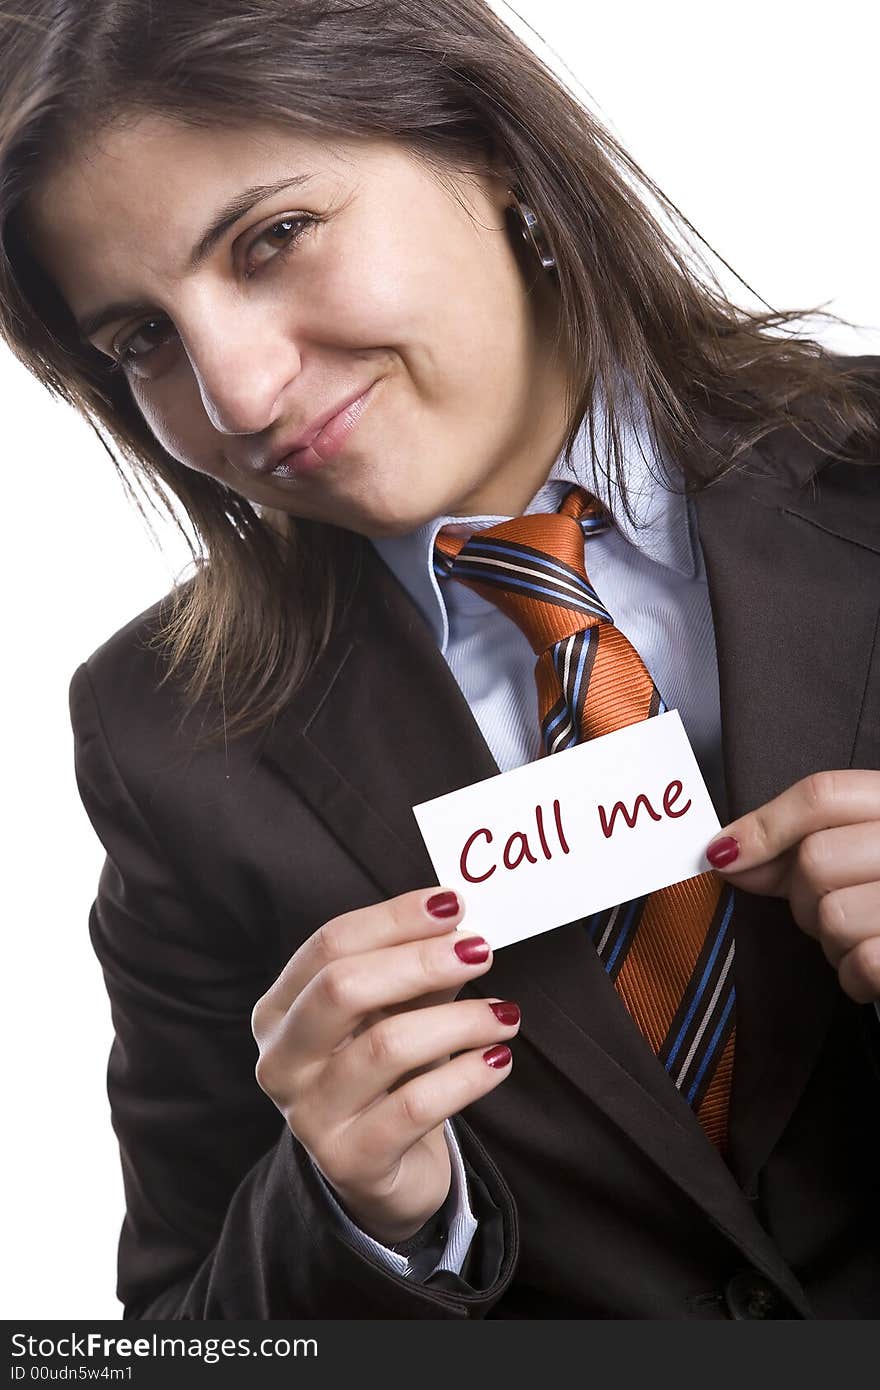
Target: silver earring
[[532, 232]]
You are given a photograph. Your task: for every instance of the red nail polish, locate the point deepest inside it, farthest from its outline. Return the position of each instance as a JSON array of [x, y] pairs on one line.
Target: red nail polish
[[723, 852], [443, 905], [473, 951], [506, 1013], [497, 1056]]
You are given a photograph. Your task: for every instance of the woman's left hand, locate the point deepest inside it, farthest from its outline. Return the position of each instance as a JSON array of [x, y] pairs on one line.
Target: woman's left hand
[[818, 845]]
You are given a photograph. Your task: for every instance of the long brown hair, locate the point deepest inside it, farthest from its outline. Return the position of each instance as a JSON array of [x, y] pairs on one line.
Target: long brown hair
[[450, 81]]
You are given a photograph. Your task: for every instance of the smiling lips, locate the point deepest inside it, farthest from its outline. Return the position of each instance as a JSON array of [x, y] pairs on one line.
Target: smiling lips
[[321, 440]]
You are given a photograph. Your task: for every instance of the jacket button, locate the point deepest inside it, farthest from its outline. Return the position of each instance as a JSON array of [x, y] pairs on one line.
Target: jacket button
[[749, 1295]]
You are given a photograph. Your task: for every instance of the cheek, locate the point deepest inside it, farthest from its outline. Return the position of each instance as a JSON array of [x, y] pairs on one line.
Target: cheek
[[366, 299], [455, 321], [175, 415]]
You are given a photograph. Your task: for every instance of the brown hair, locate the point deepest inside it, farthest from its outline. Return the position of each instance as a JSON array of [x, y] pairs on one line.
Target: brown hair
[[456, 86]]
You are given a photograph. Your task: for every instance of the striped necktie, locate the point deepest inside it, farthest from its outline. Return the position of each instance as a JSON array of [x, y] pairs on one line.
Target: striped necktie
[[669, 954]]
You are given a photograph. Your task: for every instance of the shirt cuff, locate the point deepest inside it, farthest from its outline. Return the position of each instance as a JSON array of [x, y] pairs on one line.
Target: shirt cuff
[[456, 1242]]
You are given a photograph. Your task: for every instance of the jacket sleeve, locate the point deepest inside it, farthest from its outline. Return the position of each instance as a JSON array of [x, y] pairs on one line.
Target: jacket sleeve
[[226, 1216]]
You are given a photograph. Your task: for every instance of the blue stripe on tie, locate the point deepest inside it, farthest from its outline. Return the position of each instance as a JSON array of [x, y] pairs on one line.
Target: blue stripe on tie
[[585, 647], [563, 714], [712, 1046], [473, 555], [512, 581], [590, 636], [609, 964], [526, 555], [722, 930], [573, 702], [558, 657]]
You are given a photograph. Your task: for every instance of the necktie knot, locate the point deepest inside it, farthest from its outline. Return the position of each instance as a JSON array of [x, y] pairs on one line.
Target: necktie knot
[[532, 568]]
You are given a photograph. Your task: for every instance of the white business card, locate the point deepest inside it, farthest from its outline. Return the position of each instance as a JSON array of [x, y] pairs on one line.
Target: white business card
[[573, 832]]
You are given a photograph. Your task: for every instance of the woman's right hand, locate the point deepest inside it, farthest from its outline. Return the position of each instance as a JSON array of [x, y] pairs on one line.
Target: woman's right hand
[[356, 1040]]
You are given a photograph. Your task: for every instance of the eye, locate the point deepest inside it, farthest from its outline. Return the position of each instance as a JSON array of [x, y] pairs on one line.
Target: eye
[[154, 332], [288, 230], [130, 350]]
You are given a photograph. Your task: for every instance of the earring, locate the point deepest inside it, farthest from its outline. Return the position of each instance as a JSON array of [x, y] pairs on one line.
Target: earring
[[532, 232]]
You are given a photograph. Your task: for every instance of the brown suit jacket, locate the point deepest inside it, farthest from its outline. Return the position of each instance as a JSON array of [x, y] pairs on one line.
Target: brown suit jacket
[[598, 1194]]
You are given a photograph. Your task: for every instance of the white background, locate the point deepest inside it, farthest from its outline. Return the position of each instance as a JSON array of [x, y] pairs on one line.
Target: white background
[[759, 121]]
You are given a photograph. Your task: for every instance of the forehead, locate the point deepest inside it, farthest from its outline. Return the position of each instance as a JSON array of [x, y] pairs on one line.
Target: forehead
[[130, 201]]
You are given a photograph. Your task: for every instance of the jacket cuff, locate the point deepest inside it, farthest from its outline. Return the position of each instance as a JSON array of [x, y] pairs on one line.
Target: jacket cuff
[[443, 1243]]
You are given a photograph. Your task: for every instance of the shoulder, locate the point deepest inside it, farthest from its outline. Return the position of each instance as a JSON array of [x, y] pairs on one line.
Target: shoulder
[[832, 481], [861, 374], [145, 772], [129, 641], [865, 364], [127, 675], [132, 722], [848, 474], [818, 450]]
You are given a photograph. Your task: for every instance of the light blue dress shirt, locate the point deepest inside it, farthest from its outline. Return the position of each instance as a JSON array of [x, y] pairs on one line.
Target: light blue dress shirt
[[649, 574]]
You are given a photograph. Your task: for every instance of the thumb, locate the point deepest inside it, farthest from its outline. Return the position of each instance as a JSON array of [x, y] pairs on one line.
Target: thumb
[[770, 879]]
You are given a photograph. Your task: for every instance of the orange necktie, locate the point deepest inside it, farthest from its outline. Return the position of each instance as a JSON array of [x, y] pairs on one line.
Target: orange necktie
[[669, 954]]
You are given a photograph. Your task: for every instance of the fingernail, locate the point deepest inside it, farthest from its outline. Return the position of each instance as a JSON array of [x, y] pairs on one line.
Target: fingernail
[[723, 852], [473, 951], [506, 1013], [443, 905], [497, 1056]]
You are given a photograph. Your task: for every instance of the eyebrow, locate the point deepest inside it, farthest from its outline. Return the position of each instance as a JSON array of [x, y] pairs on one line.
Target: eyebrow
[[225, 218]]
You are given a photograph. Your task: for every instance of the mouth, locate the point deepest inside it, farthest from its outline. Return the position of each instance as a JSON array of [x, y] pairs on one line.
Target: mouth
[[329, 441]]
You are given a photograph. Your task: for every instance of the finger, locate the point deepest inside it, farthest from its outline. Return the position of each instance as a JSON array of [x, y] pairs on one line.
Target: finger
[[337, 999], [830, 860], [848, 917], [378, 1138], [380, 1057], [818, 802], [404, 918], [859, 971]]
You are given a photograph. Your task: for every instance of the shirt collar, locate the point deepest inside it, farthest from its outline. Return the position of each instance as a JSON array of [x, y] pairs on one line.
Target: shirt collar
[[662, 529]]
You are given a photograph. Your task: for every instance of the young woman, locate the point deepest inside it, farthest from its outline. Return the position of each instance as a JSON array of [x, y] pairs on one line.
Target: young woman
[[357, 284]]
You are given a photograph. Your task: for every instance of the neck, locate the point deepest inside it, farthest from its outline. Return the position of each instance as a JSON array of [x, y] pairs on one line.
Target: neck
[[539, 428]]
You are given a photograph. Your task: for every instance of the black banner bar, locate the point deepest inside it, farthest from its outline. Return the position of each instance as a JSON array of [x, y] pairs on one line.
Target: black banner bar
[[397, 1354]]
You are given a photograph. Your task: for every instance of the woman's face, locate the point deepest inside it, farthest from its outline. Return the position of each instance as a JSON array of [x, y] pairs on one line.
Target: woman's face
[[364, 275]]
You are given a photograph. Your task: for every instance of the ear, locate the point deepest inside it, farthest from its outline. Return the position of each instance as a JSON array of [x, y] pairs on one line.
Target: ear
[[501, 179], [500, 190]]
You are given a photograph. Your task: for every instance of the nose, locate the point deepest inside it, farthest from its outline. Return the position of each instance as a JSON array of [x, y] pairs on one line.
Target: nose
[[243, 369]]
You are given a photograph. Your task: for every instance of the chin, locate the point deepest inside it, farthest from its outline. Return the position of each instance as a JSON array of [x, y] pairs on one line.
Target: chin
[[392, 511], [377, 528]]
